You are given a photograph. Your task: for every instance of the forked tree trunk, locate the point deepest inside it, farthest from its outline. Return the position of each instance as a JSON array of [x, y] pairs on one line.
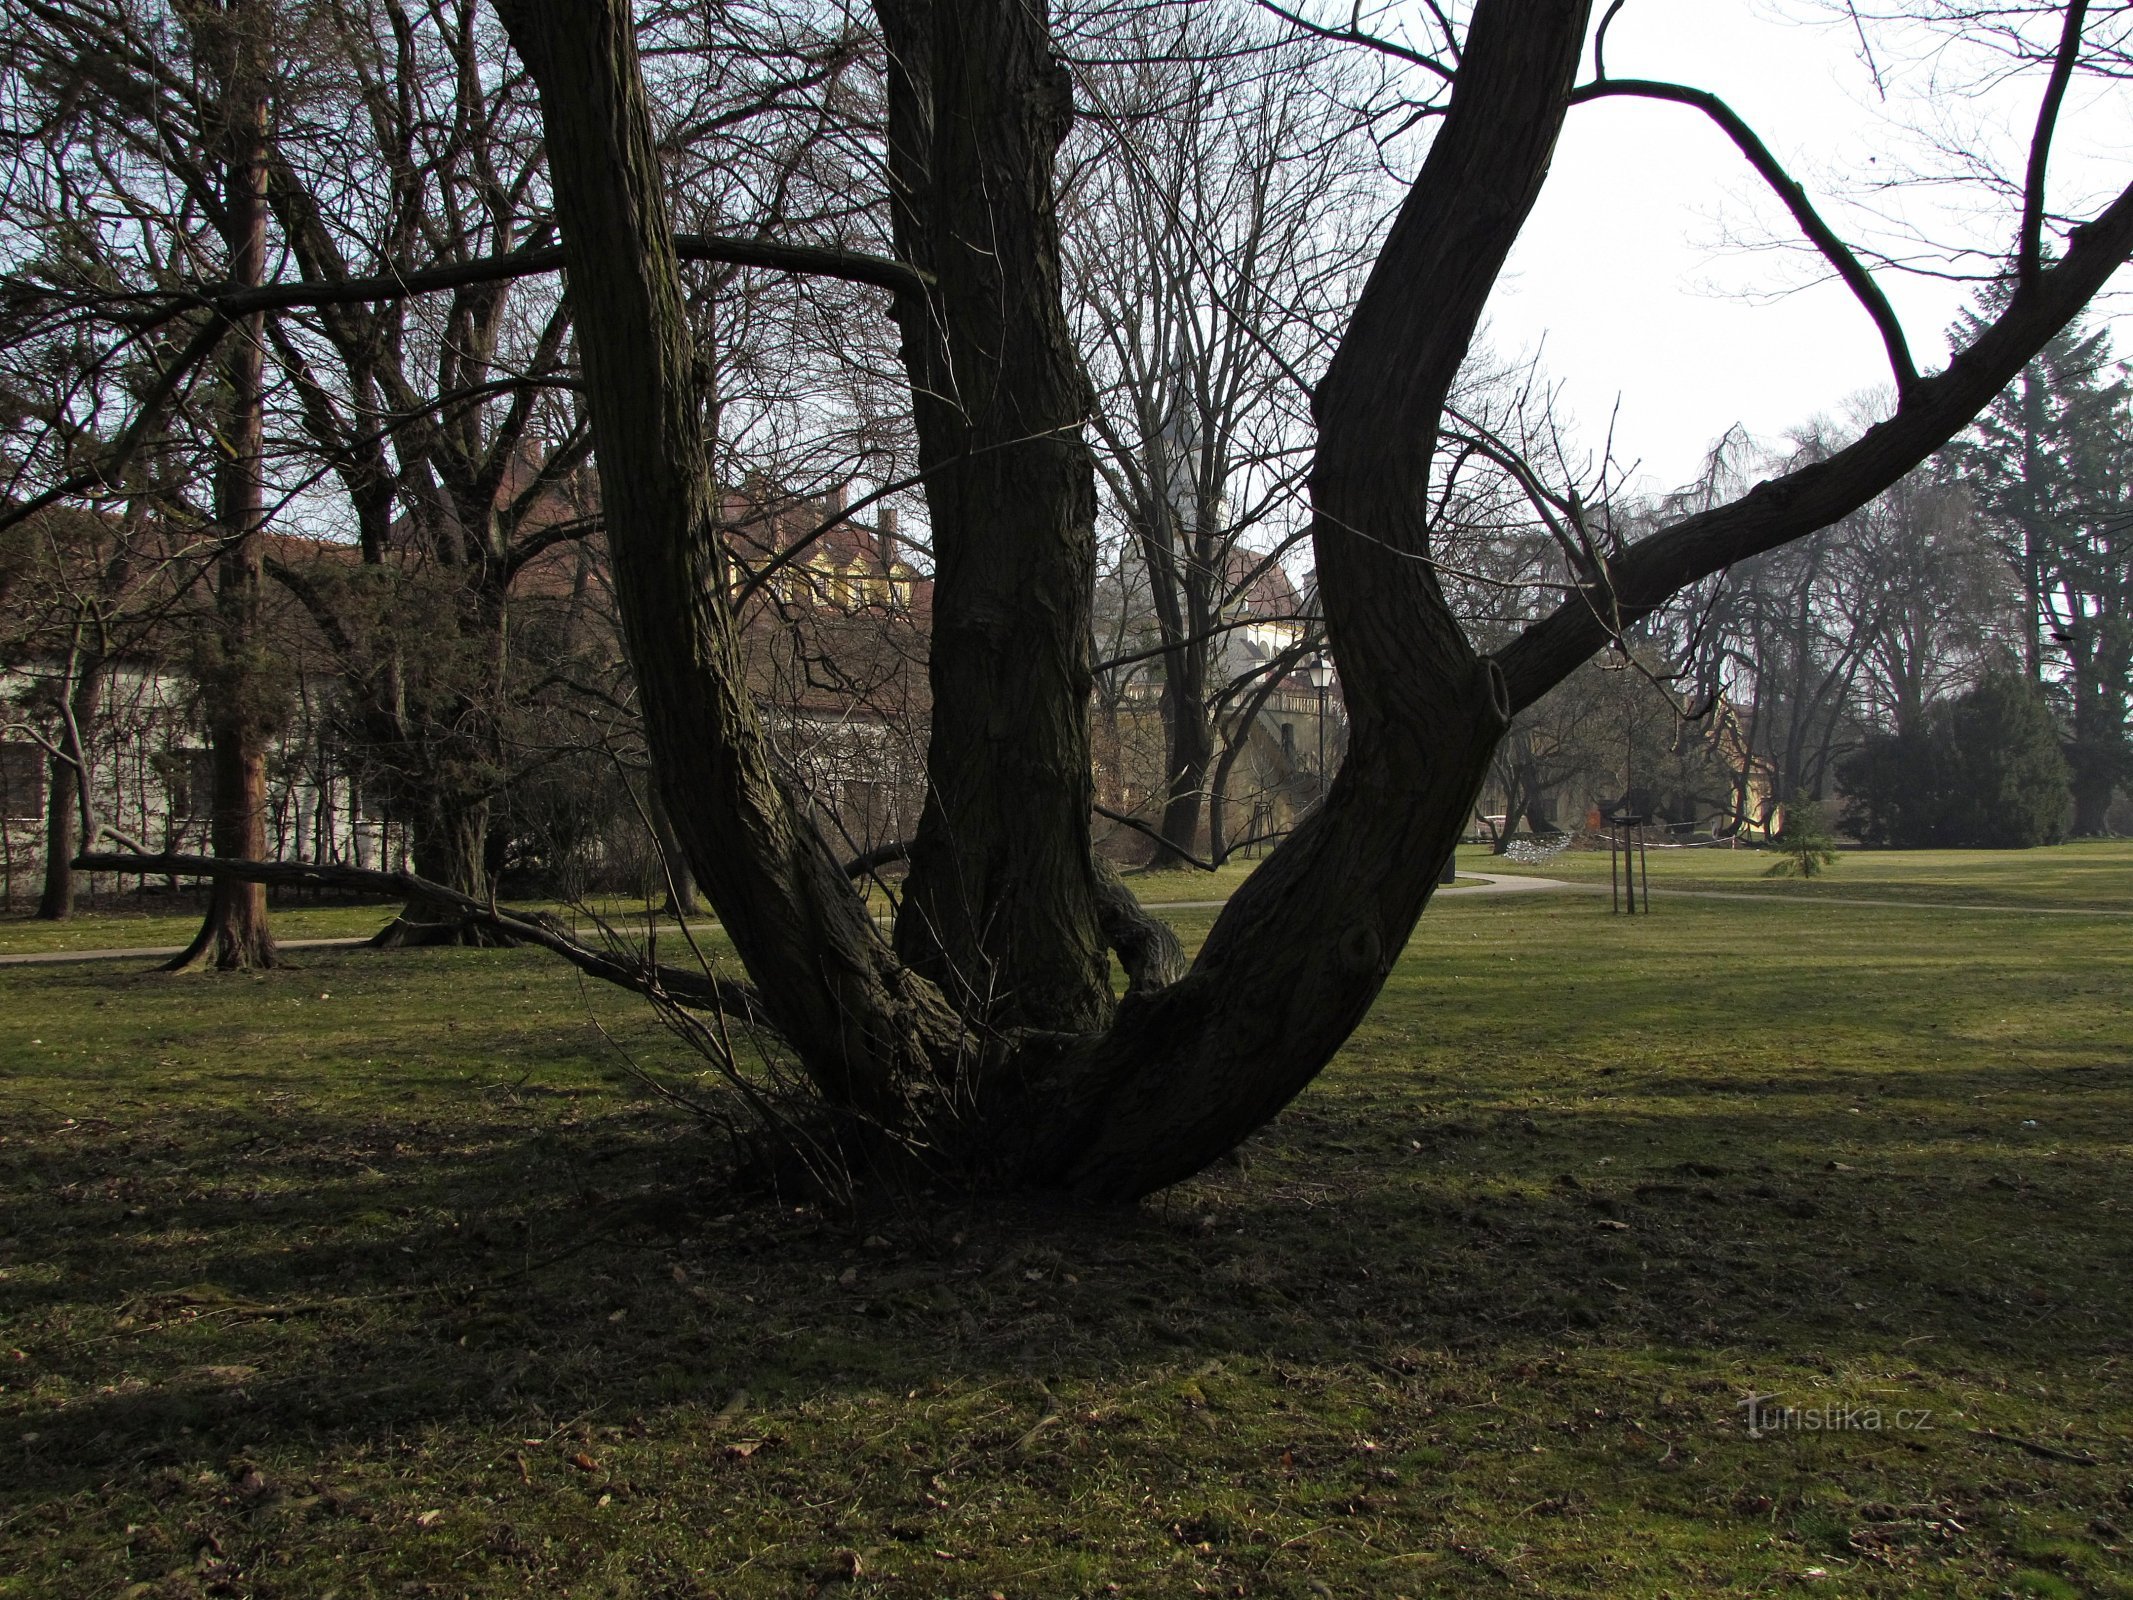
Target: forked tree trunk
[[1003, 909], [1040, 1082]]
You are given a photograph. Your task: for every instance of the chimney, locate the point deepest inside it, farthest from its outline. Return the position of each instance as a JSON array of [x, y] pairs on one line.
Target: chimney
[[833, 503], [885, 539]]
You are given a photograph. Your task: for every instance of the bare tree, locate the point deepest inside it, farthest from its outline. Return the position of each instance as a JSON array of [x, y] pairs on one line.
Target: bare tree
[[994, 1004], [1218, 220], [987, 1040]]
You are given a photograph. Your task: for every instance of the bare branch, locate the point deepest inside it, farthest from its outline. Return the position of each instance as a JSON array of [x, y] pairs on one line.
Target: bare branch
[[1354, 35], [105, 473], [1834, 250], [853, 266], [2030, 257], [1816, 495]]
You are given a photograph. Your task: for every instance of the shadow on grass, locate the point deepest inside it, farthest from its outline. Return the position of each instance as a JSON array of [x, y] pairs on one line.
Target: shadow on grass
[[483, 1326], [417, 1275]]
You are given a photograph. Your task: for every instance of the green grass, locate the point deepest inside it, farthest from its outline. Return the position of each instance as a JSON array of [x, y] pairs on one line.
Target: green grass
[[365, 1277], [2089, 874], [125, 930], [159, 929]]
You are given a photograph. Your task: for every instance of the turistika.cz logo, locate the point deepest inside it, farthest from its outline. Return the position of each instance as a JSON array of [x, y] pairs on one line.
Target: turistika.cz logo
[[1766, 1414]]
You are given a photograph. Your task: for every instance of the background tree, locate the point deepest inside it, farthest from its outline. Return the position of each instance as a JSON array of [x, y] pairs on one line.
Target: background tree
[[1983, 770], [2048, 466], [1218, 218], [148, 134]]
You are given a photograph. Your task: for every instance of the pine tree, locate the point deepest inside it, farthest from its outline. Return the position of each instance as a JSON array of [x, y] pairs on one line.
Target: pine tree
[[2048, 465]]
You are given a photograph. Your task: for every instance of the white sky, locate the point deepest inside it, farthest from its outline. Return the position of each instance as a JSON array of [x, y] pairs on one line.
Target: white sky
[[1631, 279]]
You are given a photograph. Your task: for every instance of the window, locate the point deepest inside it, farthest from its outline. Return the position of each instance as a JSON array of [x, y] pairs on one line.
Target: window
[[1288, 741], [21, 780]]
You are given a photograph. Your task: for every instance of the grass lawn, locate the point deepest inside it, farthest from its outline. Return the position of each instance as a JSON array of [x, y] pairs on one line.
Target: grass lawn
[[2092, 874], [149, 930], [368, 1277]]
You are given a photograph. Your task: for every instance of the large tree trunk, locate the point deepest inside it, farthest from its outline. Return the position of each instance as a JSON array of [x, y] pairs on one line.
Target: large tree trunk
[[241, 714], [1007, 910], [872, 1037], [449, 837], [1001, 901]]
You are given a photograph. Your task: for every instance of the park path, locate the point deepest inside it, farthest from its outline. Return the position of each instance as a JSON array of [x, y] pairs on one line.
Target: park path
[[1491, 883], [1780, 898]]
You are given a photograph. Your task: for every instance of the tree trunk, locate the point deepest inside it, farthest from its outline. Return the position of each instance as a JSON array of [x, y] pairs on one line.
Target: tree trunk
[[449, 836], [1191, 745], [681, 882], [872, 1038], [1001, 902], [67, 824], [240, 710], [56, 904]]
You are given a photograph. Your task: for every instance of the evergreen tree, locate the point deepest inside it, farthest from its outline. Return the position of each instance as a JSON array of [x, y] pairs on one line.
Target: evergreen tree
[[2048, 466], [1985, 771]]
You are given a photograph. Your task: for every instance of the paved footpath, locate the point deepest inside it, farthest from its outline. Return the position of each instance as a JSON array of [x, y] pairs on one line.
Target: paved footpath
[[1489, 883], [1837, 900]]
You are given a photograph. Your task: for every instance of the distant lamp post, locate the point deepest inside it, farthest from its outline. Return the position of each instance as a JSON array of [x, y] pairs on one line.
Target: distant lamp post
[[1320, 675]]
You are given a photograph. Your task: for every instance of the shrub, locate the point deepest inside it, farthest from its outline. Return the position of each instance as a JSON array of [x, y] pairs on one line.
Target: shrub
[[1807, 846], [1986, 770]]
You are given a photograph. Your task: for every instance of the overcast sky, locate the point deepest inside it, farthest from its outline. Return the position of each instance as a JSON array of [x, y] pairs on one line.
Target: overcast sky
[[1632, 279]]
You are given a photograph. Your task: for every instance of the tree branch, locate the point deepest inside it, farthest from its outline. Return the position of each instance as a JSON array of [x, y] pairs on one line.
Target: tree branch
[[1146, 945], [1156, 834], [2031, 252], [1789, 507], [1355, 35], [853, 266], [881, 855], [698, 991], [1834, 250], [102, 475]]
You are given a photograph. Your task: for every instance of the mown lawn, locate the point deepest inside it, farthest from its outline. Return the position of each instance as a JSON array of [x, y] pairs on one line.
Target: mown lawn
[[157, 928], [2088, 874], [371, 1277]]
